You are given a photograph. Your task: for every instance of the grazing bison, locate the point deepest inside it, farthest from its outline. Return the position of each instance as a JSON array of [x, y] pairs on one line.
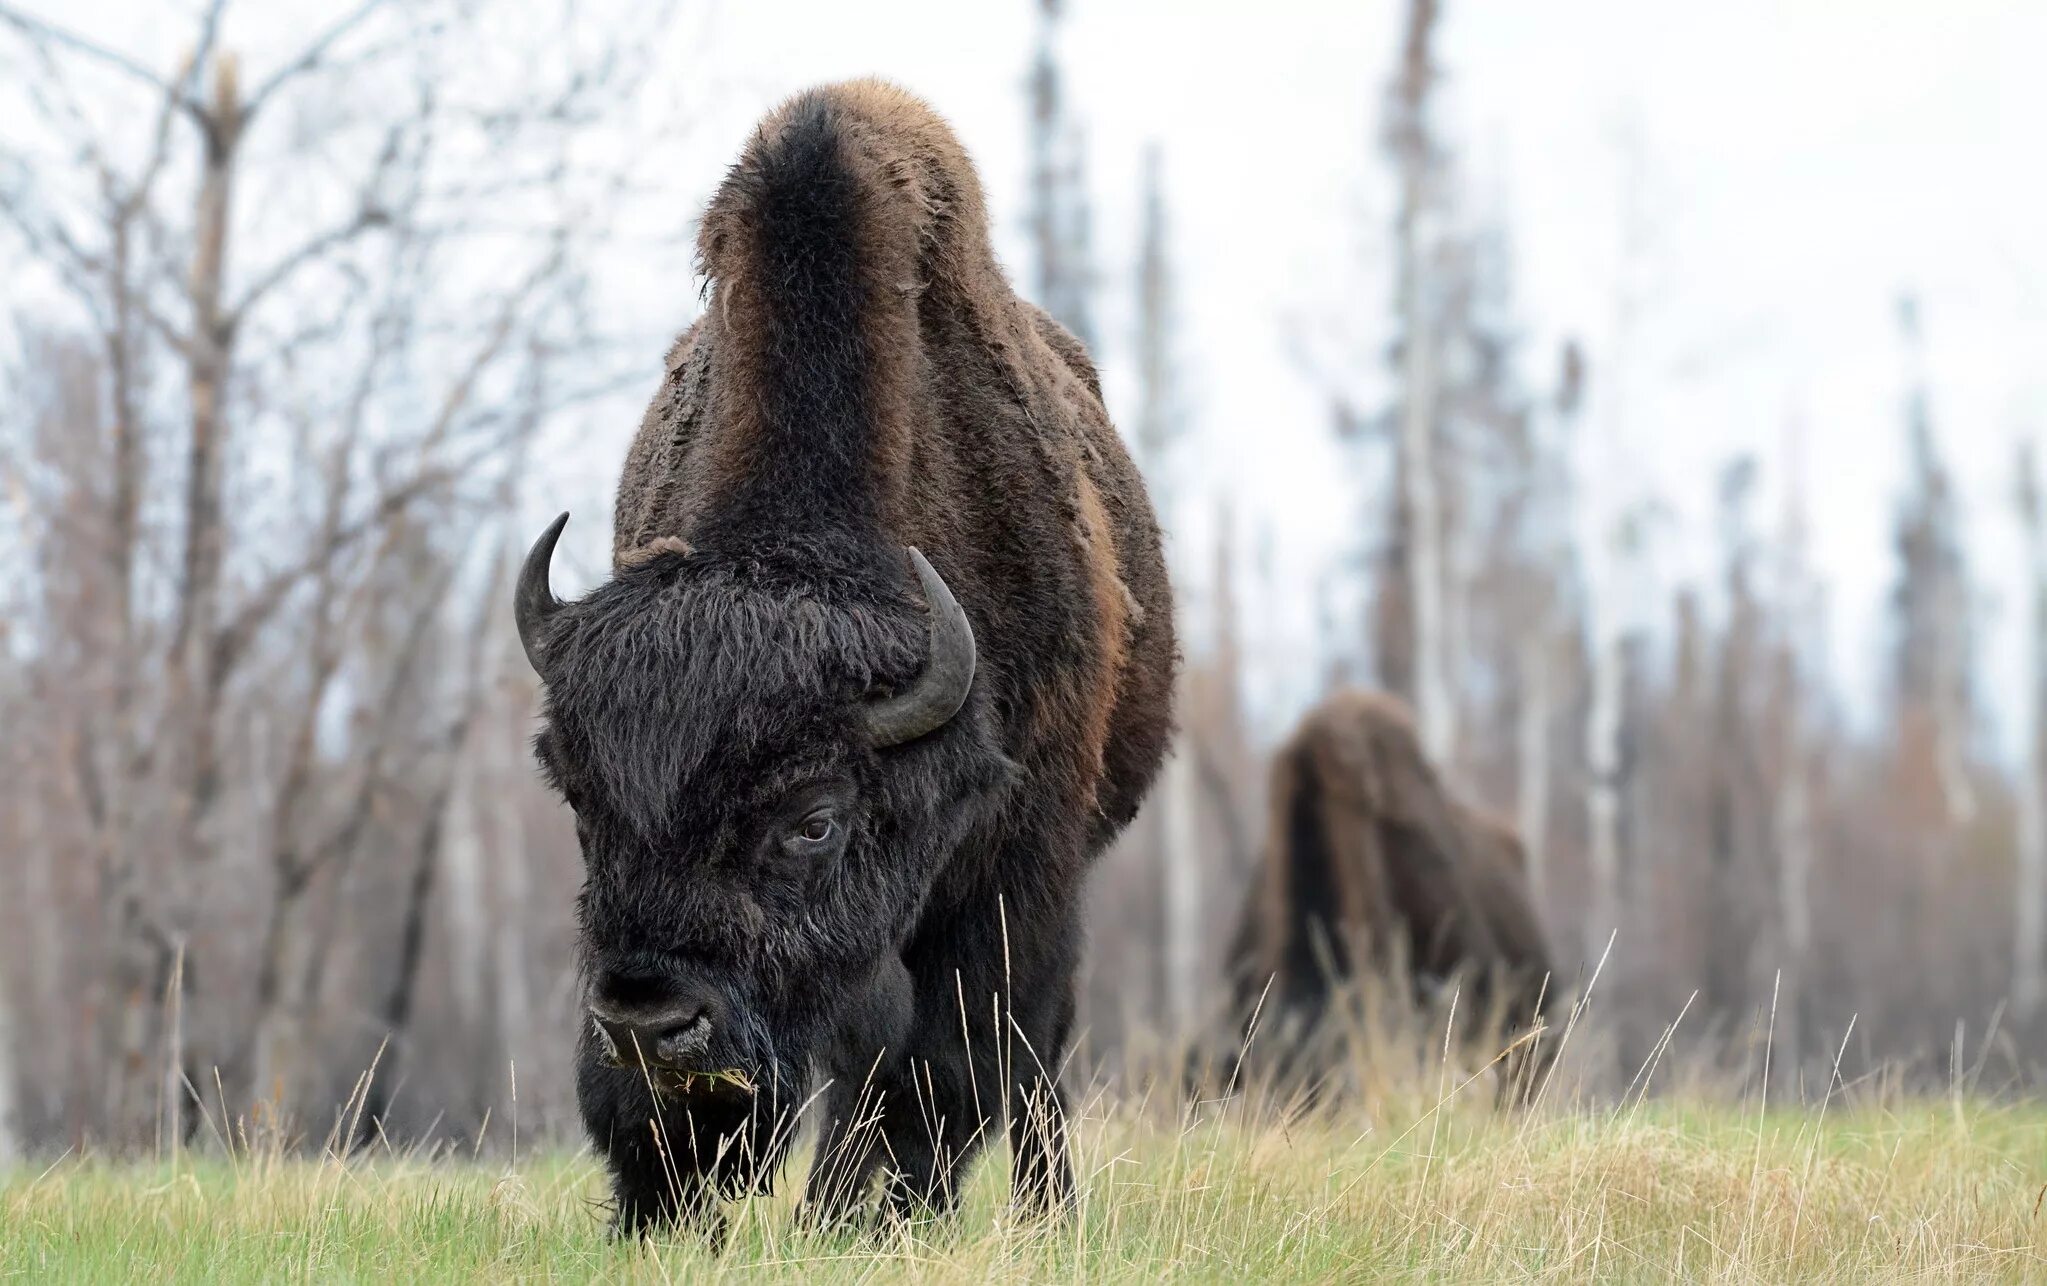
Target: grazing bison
[[884, 661], [1368, 856]]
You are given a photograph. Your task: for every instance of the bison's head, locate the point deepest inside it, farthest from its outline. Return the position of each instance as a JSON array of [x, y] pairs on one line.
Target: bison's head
[[769, 757]]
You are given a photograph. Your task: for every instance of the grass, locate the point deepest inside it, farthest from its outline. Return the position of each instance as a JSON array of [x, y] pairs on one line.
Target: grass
[[1933, 1190]]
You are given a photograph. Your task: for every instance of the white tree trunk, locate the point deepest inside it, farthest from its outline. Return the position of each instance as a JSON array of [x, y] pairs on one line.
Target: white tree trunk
[[1793, 821], [10, 1117], [468, 900], [511, 959], [1794, 885], [280, 1021], [1950, 726], [1433, 710], [1181, 856], [1531, 795], [2030, 896], [2030, 900], [1603, 794]]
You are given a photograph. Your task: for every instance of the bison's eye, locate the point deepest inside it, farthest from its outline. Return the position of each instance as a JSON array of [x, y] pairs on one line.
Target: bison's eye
[[815, 826]]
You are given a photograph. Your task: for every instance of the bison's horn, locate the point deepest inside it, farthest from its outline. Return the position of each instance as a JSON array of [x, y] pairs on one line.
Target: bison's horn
[[941, 689], [534, 603]]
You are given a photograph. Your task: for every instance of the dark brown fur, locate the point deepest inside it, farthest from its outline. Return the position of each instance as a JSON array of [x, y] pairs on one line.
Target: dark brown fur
[[1369, 864], [863, 379]]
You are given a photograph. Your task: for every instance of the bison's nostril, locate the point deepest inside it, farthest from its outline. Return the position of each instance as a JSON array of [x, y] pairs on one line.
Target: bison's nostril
[[685, 1042], [668, 1040]]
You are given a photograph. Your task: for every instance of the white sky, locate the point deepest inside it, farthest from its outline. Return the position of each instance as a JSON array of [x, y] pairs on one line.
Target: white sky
[[1802, 163]]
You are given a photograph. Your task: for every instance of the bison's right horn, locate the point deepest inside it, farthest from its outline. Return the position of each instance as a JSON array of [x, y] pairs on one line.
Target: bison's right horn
[[940, 691], [534, 603]]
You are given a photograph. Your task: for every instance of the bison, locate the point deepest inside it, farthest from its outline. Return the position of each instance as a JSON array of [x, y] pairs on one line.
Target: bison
[[884, 661], [1369, 865]]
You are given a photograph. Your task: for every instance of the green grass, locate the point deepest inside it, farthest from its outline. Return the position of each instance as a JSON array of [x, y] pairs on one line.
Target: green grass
[[1938, 1190]]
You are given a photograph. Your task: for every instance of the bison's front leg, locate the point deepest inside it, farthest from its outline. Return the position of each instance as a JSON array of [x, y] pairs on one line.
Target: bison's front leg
[[672, 1157], [1034, 1055], [994, 1012], [1042, 1179], [866, 1050]]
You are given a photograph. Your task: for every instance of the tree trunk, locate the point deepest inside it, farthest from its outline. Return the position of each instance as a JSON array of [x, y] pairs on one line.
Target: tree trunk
[[1728, 948], [1794, 879], [1181, 857], [10, 1111], [1603, 794], [207, 368], [1532, 761], [473, 900], [440, 773], [2030, 915], [1951, 718], [511, 959], [1433, 711], [2029, 897], [207, 373], [396, 1010], [1413, 236], [278, 1024]]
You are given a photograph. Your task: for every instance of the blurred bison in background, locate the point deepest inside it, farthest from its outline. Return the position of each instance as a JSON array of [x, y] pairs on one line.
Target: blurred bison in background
[[1370, 866], [837, 797]]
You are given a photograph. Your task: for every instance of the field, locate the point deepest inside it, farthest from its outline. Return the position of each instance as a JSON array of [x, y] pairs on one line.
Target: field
[[1934, 1189]]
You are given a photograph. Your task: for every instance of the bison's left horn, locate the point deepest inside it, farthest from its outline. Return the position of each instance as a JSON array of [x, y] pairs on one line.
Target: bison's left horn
[[534, 603], [941, 689]]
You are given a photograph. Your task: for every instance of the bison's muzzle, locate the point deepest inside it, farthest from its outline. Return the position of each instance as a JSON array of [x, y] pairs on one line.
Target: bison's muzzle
[[672, 1031]]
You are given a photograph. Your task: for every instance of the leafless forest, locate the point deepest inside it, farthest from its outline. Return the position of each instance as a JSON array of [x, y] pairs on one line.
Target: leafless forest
[[287, 342]]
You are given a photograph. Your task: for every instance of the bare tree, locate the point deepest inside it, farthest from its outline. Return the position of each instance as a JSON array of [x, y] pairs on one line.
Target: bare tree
[[1160, 428], [1614, 556], [1536, 657], [1060, 216], [10, 1126], [1932, 599], [1792, 822], [2029, 897], [1732, 754], [342, 262], [1411, 143]]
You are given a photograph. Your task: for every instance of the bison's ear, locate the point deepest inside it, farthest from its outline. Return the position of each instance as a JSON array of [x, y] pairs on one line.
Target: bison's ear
[[533, 603], [941, 689]]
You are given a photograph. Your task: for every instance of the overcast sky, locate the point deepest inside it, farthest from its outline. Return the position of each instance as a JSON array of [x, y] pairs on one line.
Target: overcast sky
[[1798, 163]]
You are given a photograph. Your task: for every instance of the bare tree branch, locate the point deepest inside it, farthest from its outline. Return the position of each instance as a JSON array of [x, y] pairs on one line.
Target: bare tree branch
[[234, 637], [44, 33], [370, 213], [310, 57], [186, 87], [366, 218], [53, 246]]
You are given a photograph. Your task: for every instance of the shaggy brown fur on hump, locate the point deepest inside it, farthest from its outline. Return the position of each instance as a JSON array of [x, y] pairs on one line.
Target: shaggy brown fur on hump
[[1112, 609], [969, 423], [1406, 862], [917, 218]]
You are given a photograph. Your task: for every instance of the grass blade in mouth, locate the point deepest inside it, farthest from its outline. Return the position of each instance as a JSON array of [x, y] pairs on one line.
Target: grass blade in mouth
[[731, 1077]]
